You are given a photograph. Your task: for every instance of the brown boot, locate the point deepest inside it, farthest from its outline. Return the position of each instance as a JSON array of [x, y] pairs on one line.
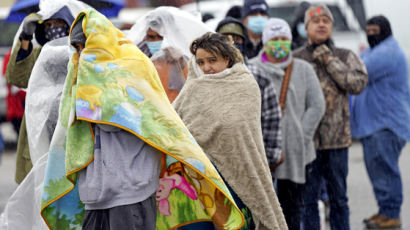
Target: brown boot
[[384, 222], [371, 218]]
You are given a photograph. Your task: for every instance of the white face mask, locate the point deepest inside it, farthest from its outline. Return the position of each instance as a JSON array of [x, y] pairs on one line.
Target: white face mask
[[301, 30], [154, 46], [256, 23]]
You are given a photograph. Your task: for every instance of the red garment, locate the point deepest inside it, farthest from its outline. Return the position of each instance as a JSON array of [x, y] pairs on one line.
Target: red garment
[[15, 100]]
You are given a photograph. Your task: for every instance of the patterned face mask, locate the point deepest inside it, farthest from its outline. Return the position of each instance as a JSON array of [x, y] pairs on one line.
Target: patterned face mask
[[278, 49], [56, 32]]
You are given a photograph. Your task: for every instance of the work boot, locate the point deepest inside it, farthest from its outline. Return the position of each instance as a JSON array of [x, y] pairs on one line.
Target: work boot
[[371, 218], [384, 222]]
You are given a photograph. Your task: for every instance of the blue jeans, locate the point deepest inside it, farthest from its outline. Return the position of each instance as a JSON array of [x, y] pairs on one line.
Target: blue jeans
[[332, 165], [381, 155]]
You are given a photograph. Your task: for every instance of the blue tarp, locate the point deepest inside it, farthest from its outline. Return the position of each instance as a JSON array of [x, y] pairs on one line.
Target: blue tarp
[[20, 9]]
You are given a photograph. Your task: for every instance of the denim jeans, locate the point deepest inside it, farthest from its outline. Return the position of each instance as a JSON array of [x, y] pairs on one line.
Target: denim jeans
[[381, 154], [332, 165]]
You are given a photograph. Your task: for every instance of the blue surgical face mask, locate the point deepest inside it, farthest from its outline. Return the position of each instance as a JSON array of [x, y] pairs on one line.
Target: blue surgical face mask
[[256, 23], [301, 30], [154, 46]]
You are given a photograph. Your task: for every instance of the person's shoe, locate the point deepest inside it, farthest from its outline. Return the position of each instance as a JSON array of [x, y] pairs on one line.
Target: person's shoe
[[384, 222], [371, 218]]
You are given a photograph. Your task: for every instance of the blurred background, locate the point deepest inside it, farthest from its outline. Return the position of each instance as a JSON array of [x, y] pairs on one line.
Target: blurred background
[[350, 17]]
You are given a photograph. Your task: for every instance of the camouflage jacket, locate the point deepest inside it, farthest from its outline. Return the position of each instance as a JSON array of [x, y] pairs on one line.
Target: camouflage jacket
[[341, 74]]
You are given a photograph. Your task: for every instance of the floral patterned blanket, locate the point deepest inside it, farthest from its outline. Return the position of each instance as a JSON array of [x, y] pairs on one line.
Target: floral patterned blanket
[[112, 82]]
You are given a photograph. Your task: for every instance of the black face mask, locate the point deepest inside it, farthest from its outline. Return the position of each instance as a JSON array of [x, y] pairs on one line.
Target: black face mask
[[239, 47], [375, 39], [385, 30]]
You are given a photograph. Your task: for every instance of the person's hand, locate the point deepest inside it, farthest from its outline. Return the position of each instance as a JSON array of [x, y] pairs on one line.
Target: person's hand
[[29, 26], [275, 165], [322, 54]]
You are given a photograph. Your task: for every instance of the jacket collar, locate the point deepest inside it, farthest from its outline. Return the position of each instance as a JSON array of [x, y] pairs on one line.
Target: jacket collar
[[329, 43]]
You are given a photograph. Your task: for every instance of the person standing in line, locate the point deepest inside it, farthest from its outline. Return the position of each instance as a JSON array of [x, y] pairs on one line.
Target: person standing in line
[[299, 36], [120, 157], [340, 73], [48, 24], [220, 105], [381, 120], [302, 106], [164, 35], [230, 26], [254, 17]]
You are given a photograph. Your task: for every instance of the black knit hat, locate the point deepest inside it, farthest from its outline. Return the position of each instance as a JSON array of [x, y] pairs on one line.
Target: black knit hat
[[254, 6], [77, 33], [235, 12]]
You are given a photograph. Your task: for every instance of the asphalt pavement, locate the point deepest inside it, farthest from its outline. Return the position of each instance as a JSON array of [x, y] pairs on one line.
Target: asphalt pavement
[[361, 198]]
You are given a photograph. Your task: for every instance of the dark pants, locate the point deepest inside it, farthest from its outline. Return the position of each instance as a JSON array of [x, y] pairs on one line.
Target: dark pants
[[332, 165], [136, 216], [381, 154], [16, 122], [290, 195]]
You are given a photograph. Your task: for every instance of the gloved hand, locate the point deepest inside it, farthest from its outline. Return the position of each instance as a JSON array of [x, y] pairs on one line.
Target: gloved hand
[[29, 26], [322, 54]]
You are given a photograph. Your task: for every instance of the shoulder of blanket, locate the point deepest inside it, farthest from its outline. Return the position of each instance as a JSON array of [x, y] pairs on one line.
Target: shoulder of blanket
[[246, 72]]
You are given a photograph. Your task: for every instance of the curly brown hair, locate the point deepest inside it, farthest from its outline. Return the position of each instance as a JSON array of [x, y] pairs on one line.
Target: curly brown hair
[[218, 45]]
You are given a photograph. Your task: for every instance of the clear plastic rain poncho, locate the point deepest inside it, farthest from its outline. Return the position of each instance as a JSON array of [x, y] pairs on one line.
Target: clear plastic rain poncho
[[178, 29], [48, 8], [42, 102]]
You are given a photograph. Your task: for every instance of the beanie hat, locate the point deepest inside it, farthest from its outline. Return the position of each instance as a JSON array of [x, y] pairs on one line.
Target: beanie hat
[[77, 34], [254, 6], [317, 10], [235, 12], [275, 27], [231, 26]]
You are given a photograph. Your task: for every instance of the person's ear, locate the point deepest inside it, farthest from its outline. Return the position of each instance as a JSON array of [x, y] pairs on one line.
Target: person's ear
[[227, 61]]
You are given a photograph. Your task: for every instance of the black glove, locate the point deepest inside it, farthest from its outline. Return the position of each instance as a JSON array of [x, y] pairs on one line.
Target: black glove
[[29, 26]]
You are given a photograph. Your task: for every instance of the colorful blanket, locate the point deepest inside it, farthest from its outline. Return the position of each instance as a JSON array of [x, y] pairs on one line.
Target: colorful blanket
[[114, 83]]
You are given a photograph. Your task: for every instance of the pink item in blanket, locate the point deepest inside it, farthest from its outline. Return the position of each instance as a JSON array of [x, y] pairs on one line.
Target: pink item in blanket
[[166, 184]]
